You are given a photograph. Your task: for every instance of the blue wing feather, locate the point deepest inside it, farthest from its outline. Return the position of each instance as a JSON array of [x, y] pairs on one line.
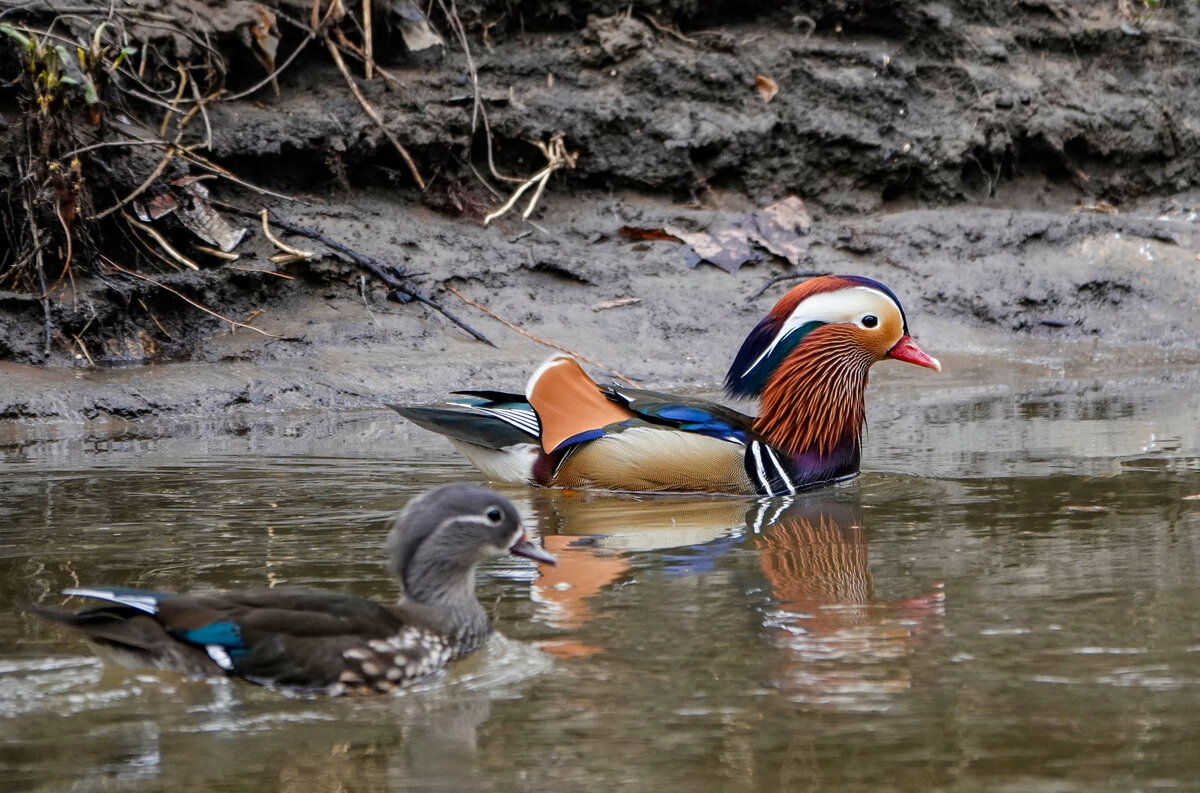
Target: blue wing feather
[[687, 415]]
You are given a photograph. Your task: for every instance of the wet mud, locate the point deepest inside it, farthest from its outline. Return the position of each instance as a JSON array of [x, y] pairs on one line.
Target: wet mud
[[969, 155]]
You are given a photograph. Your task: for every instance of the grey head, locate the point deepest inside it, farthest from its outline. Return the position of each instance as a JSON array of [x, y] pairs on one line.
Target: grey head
[[441, 535]]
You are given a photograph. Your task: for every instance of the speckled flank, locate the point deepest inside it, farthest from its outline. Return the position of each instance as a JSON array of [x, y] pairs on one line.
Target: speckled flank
[[383, 665]]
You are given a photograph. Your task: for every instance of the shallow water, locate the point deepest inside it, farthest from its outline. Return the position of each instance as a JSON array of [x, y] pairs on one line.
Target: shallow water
[[1005, 600]]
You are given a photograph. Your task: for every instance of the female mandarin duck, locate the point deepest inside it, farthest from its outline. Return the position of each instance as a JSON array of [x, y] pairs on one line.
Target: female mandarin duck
[[320, 641], [807, 361]]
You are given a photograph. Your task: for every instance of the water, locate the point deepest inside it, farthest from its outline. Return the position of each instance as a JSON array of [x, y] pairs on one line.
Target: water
[[1020, 617]]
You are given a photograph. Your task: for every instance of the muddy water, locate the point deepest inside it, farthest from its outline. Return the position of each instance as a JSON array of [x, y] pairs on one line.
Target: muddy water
[[1005, 600]]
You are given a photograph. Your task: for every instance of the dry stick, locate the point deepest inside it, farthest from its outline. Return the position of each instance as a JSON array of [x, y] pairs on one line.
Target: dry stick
[[543, 342], [37, 249], [157, 172], [166, 246], [66, 264], [185, 298], [368, 44], [478, 109], [362, 260], [155, 319], [770, 282], [349, 47], [370, 111], [295, 253], [212, 167]]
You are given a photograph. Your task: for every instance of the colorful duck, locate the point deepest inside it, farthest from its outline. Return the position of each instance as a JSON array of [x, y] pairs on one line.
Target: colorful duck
[[807, 362], [320, 641]]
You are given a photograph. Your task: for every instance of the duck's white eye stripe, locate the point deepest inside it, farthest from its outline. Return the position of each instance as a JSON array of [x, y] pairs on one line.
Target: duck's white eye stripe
[[843, 305]]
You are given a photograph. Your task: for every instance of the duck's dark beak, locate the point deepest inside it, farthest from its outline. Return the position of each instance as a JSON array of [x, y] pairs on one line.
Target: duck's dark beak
[[907, 350], [525, 547]]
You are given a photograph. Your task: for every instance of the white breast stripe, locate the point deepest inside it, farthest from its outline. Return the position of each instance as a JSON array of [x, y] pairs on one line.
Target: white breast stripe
[[758, 467], [782, 473]]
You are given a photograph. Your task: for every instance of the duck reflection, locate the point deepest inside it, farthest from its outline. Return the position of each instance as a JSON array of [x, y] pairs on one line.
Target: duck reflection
[[592, 536], [819, 606], [822, 611]]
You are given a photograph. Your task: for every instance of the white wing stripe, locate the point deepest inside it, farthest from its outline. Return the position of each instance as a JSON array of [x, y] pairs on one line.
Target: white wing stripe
[[146, 603], [524, 420]]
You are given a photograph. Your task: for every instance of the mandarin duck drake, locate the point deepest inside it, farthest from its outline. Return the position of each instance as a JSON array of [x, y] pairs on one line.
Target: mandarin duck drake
[[319, 641], [807, 361]]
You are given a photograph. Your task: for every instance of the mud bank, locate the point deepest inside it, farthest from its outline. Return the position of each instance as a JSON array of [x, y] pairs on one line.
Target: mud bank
[[940, 148]]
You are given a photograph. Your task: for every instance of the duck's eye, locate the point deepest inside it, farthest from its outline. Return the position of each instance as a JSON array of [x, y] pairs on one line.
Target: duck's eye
[[495, 515], [870, 321]]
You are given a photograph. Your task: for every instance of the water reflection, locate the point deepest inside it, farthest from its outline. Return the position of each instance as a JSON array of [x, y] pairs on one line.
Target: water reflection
[[822, 612]]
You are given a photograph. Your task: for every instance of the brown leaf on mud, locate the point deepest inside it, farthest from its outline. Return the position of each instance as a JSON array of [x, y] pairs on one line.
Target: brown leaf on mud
[[636, 233], [728, 249], [766, 87], [780, 227]]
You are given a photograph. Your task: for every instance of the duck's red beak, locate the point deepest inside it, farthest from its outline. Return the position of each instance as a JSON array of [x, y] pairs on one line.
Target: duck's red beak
[[525, 547], [907, 350]]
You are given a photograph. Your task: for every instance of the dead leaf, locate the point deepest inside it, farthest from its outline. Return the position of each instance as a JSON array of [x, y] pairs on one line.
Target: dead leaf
[[1193, 497], [616, 303], [780, 227], [198, 216], [636, 233], [414, 27], [728, 249], [766, 87]]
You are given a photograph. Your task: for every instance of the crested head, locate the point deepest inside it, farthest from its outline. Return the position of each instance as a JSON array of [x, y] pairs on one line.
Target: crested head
[[872, 315], [446, 532], [808, 360]]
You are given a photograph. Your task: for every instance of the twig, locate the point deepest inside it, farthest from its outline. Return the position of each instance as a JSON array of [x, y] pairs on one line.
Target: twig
[[217, 254], [279, 70], [770, 282], [364, 261], [157, 172], [107, 143], [37, 250], [154, 319], [543, 342], [368, 44], [185, 298], [166, 246], [285, 276], [478, 110], [362, 290], [66, 264], [83, 348], [211, 166], [183, 81], [557, 156], [293, 254], [348, 47], [370, 111]]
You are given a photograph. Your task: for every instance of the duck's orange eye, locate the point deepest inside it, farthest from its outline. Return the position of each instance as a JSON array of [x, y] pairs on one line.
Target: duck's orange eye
[[870, 321]]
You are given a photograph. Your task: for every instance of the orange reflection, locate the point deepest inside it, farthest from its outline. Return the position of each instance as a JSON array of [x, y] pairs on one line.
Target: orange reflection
[[814, 557]]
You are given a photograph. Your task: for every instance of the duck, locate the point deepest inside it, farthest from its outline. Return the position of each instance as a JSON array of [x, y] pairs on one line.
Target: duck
[[806, 362], [320, 641]]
